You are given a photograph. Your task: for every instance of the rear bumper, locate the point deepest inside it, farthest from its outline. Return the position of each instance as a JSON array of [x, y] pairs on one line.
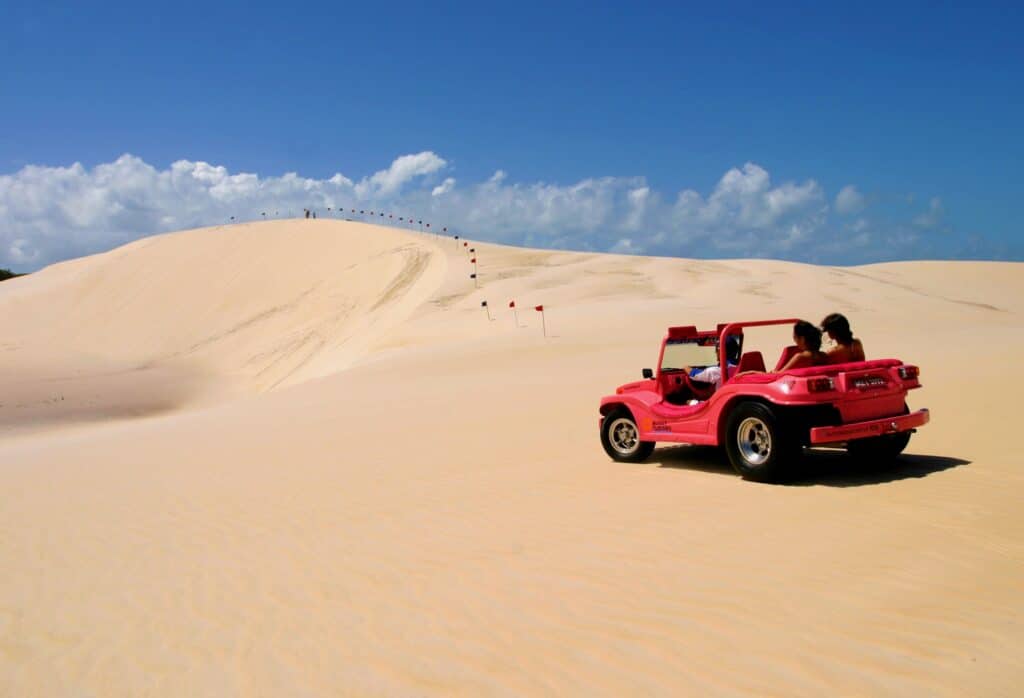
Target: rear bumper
[[873, 427]]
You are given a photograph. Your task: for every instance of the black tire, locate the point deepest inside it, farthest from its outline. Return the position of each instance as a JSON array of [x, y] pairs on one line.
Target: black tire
[[620, 437], [879, 450], [759, 446]]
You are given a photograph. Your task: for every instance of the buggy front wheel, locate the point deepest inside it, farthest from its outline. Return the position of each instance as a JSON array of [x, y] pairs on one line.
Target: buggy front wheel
[[620, 437]]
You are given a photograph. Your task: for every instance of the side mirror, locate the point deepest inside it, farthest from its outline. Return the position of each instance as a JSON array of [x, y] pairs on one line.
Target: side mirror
[[648, 373]]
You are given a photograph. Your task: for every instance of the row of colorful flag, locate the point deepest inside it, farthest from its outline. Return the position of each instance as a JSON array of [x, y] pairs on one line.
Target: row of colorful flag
[[512, 304], [362, 212], [515, 314]]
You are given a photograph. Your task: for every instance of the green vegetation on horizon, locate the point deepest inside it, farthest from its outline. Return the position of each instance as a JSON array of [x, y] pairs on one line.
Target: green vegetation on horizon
[[8, 274]]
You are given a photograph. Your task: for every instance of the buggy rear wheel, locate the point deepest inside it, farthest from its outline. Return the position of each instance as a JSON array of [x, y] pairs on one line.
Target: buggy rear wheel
[[879, 450], [758, 446], [620, 437]]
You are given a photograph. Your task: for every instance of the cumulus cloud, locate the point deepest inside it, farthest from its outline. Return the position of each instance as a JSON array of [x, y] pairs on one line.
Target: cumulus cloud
[[403, 170], [849, 201], [638, 199], [53, 213], [933, 216], [444, 187], [626, 246]]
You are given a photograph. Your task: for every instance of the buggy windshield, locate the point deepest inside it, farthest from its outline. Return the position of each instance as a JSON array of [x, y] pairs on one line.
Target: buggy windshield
[[682, 353]]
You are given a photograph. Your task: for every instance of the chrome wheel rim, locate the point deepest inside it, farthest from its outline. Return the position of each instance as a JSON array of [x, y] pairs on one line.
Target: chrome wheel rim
[[754, 440], [624, 437]]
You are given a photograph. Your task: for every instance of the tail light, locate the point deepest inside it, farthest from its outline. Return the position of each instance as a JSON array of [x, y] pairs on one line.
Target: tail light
[[908, 373], [820, 385]]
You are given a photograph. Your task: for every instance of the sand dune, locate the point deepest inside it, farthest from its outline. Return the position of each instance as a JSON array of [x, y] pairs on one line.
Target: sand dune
[[297, 458], [211, 313]]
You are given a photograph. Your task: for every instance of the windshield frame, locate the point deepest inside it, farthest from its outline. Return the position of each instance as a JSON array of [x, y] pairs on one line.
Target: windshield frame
[[702, 352]]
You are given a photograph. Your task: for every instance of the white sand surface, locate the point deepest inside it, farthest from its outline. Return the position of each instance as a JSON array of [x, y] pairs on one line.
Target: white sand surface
[[297, 458]]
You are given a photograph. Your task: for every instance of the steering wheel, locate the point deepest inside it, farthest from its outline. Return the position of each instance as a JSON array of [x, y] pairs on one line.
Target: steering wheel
[[700, 389]]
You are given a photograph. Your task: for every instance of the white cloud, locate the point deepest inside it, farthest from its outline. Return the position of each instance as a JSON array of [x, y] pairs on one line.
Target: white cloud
[[746, 215], [53, 213], [444, 187], [638, 199], [933, 216], [20, 253], [626, 246], [403, 170], [849, 201]]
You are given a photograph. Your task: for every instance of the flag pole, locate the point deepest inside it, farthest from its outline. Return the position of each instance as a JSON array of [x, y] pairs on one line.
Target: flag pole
[[543, 322]]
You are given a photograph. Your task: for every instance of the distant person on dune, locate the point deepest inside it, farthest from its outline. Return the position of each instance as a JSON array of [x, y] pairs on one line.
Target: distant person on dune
[[307, 212], [848, 348]]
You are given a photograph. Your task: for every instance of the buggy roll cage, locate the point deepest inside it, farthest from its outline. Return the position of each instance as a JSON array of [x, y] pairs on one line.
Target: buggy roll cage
[[723, 330]]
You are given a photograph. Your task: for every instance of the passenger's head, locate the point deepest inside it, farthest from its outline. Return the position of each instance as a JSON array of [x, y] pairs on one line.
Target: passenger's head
[[806, 336], [733, 343], [838, 328]]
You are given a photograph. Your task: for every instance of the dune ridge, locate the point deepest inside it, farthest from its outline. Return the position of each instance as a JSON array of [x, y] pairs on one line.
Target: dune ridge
[[349, 480]]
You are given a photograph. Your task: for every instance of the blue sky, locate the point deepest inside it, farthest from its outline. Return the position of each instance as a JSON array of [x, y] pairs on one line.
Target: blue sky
[[919, 108]]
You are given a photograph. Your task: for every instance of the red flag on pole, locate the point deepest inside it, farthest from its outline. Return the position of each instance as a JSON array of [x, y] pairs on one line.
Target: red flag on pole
[[511, 304], [473, 261], [543, 321], [539, 308], [465, 244]]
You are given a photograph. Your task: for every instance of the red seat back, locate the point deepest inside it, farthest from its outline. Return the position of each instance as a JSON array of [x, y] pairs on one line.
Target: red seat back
[[751, 361], [787, 354]]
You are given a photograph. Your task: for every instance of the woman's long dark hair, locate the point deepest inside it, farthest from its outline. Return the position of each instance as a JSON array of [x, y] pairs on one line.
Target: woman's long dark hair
[[810, 333], [839, 326]]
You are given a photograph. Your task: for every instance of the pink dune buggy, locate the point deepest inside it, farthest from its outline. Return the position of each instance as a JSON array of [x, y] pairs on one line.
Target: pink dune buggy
[[764, 419]]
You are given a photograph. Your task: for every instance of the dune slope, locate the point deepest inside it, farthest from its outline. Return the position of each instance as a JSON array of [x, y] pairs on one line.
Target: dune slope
[[415, 499], [190, 317]]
